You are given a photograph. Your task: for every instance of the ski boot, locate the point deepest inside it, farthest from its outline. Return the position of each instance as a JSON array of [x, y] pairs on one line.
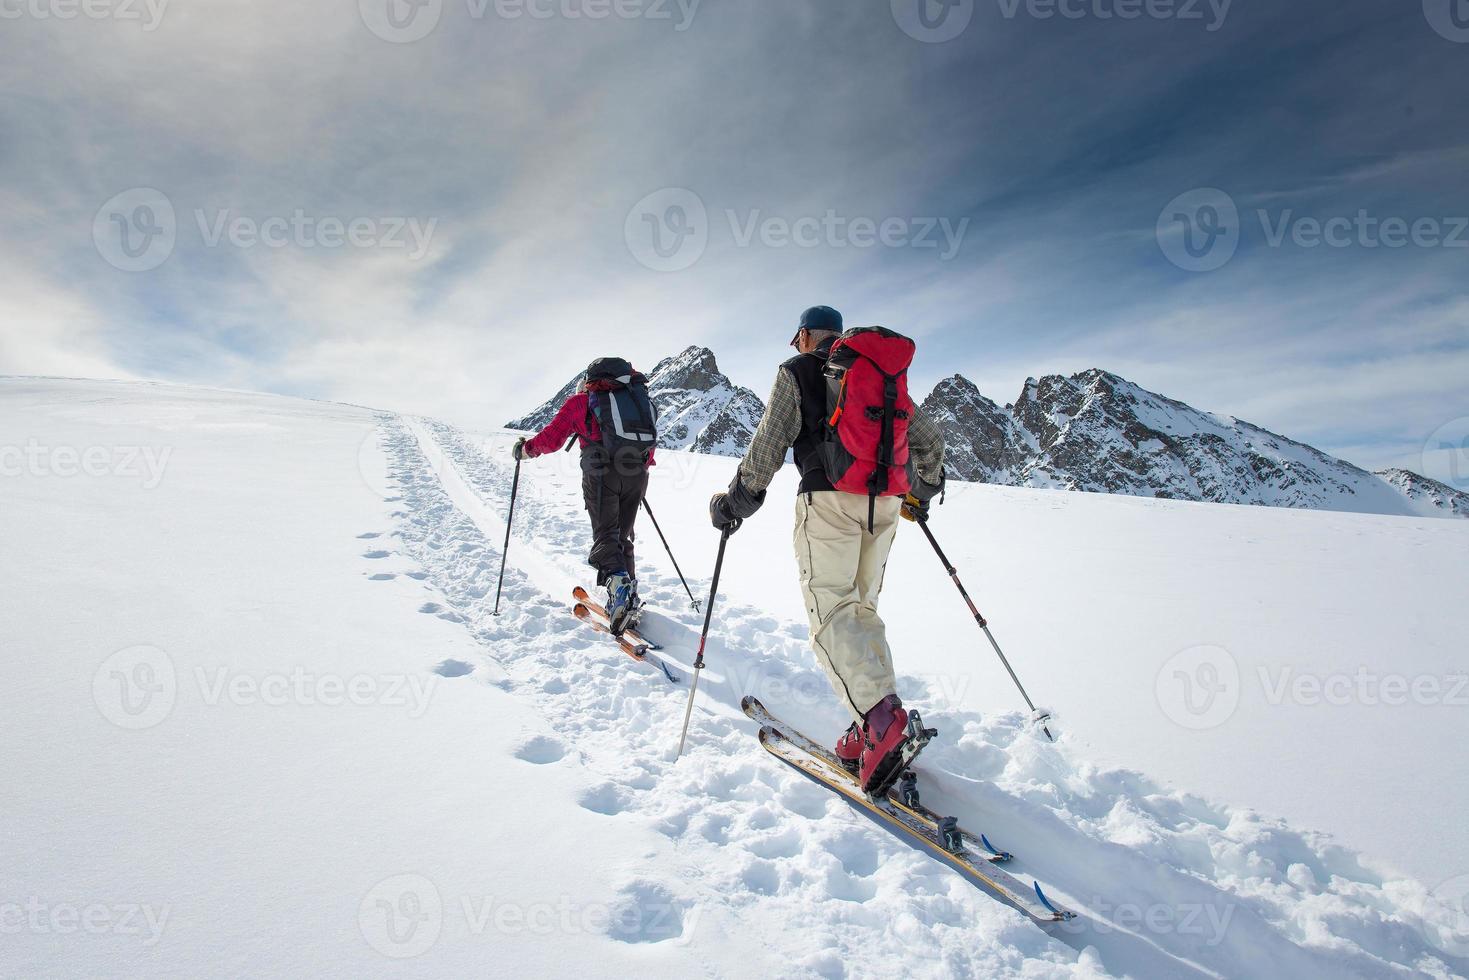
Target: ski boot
[[635, 615], [891, 739], [849, 750], [620, 602]]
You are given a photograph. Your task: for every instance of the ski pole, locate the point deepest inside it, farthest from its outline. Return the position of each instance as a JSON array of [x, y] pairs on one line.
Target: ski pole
[[704, 638], [509, 520], [1037, 717], [686, 588]]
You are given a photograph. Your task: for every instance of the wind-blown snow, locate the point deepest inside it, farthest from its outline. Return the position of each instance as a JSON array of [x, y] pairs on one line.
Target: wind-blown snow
[[296, 838]]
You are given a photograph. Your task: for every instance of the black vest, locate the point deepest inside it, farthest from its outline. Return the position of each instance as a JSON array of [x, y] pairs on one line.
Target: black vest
[[807, 369]]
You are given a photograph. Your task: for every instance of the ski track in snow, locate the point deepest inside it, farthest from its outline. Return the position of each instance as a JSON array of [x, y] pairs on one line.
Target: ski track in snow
[[1227, 892]]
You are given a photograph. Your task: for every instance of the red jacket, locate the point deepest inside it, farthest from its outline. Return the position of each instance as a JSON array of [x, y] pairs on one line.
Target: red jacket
[[574, 417]]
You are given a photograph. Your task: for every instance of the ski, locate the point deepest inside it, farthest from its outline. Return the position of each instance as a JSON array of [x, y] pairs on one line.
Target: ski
[[582, 596], [1028, 899], [904, 794], [638, 652]]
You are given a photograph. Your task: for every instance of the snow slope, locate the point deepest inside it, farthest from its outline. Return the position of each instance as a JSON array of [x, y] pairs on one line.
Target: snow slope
[[354, 839]]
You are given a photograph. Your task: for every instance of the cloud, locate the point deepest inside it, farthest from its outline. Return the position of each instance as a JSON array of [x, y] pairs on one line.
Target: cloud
[[524, 143]]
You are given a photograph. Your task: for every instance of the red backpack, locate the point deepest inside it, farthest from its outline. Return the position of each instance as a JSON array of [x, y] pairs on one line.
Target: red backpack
[[867, 411]]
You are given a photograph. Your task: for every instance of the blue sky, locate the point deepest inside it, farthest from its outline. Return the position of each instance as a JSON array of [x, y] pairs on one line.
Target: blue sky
[[1005, 180]]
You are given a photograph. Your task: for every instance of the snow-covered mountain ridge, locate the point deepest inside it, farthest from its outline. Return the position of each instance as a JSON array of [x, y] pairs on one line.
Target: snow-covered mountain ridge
[[1098, 432]]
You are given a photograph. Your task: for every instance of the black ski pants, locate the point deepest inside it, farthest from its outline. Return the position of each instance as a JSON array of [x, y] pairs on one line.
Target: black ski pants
[[613, 495]]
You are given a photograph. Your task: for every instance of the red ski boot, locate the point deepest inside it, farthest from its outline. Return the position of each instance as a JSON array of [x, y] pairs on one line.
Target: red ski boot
[[891, 740], [849, 750]]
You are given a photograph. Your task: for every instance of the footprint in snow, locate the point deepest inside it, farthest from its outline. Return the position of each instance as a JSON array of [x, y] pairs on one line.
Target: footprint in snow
[[382, 577], [606, 799], [646, 912], [369, 535], [417, 576], [375, 554], [541, 750], [453, 668]]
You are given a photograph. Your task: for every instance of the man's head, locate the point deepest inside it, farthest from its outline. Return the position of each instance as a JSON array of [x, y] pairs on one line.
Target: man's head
[[817, 323]]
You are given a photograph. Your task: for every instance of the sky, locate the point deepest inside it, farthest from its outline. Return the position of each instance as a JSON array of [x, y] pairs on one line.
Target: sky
[[446, 207]]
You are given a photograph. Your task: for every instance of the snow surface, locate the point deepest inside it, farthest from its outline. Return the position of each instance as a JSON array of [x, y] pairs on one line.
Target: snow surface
[[190, 790]]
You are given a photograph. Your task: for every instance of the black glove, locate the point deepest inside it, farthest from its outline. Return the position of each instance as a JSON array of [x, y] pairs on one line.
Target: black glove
[[719, 514], [916, 504], [728, 510], [518, 450]]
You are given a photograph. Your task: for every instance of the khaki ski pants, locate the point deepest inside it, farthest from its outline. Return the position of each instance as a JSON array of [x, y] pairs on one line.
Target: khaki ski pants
[[842, 567]]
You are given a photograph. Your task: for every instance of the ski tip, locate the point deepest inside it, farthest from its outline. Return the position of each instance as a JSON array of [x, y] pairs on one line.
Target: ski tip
[[749, 703]]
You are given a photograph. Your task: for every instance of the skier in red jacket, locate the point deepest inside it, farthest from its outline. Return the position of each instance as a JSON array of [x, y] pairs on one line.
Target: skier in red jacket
[[613, 420]]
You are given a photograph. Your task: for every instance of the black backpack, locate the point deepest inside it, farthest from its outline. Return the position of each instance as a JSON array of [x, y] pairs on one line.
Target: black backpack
[[617, 397]]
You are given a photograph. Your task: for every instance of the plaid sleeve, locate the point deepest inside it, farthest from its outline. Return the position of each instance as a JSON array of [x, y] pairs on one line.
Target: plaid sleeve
[[778, 431], [926, 444]]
